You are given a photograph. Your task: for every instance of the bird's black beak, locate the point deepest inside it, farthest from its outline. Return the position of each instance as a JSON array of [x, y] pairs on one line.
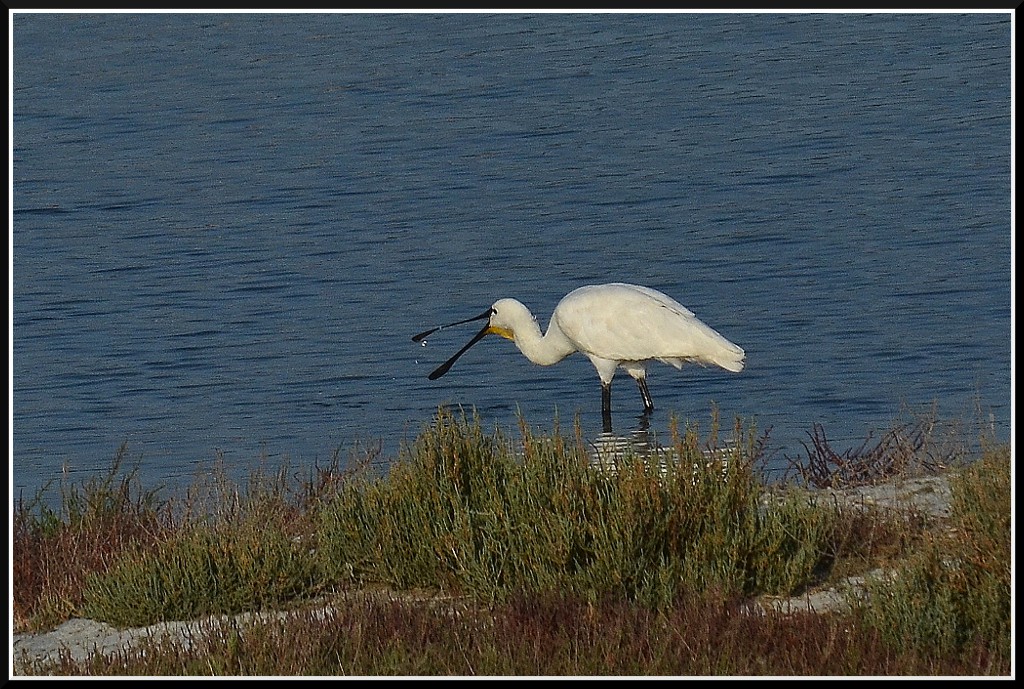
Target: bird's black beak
[[443, 368]]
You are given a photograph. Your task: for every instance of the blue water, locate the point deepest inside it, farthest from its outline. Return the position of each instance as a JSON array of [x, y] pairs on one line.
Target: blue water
[[227, 227]]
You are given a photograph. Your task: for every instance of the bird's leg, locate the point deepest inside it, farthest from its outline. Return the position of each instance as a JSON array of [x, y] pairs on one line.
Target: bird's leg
[[606, 406], [646, 395]]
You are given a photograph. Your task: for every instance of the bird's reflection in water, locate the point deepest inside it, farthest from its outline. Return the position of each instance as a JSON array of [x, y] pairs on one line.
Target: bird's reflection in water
[[609, 450]]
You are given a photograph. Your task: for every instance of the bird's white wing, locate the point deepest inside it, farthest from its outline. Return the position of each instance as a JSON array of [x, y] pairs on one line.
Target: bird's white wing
[[632, 323]]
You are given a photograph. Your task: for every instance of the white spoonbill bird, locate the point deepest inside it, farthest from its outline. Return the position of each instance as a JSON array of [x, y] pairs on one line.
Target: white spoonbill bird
[[614, 325]]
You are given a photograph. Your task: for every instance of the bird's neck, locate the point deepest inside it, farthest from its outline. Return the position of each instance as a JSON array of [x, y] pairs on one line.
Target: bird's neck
[[544, 350]]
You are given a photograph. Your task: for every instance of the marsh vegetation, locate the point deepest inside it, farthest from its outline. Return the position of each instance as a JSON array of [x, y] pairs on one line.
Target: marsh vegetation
[[479, 553]]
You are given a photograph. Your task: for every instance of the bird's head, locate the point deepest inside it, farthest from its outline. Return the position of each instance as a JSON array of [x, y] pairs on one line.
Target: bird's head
[[506, 316]]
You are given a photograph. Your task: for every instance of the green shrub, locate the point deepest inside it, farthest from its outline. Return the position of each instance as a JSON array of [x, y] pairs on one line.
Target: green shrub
[[954, 594], [466, 511], [203, 571]]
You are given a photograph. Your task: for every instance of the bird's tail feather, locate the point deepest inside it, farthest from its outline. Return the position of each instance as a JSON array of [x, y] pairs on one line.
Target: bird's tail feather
[[731, 359]]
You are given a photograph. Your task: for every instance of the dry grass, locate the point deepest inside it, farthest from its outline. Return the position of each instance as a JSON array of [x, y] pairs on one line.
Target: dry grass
[[56, 551]]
